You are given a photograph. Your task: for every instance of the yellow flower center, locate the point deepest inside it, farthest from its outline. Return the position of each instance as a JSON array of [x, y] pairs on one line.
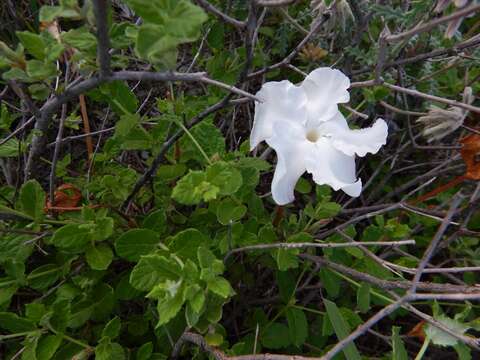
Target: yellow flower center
[[313, 135]]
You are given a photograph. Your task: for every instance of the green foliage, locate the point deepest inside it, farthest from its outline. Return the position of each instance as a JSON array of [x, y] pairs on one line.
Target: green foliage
[[109, 279], [167, 24]]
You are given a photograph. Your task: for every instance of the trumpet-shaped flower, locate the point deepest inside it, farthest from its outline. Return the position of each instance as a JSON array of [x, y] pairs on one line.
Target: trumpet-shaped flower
[[307, 131]]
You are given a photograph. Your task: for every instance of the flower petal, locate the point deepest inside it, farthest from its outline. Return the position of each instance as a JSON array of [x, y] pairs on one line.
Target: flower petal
[[350, 142], [282, 101], [288, 141], [332, 167], [325, 88]]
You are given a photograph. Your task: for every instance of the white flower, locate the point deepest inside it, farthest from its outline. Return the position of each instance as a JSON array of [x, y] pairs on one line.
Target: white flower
[[307, 131]]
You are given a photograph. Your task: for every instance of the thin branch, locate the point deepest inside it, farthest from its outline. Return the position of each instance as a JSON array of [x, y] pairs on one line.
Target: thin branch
[[17, 130], [382, 53], [317, 245], [295, 51], [473, 342], [434, 243], [391, 284], [416, 93], [77, 137], [434, 53], [222, 16], [434, 23], [274, 3], [100, 9], [292, 21], [148, 175], [401, 111], [188, 337], [196, 339], [56, 154]]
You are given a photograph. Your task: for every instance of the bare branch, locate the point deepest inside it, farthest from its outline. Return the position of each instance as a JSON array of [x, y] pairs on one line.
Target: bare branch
[[435, 241], [417, 93], [224, 17], [316, 245], [432, 24], [274, 3], [295, 51], [198, 340], [475, 41], [148, 175], [100, 9], [391, 284], [361, 329]]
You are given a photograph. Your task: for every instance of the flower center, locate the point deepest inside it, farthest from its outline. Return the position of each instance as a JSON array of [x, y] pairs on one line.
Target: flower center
[[313, 135]]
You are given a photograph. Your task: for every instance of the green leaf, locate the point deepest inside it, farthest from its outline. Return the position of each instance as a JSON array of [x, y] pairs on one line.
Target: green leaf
[[297, 326], [135, 243], [152, 269], [342, 329], [225, 177], [363, 297], [6, 294], [185, 243], [276, 336], [50, 13], [103, 229], [331, 281], [221, 287], [126, 124], [39, 91], [167, 309], [81, 39], [44, 276], [156, 221], [197, 301], [286, 258], [286, 285], [171, 172], [440, 337], [398, 348], [193, 188], [118, 94], [35, 311], [167, 24], [207, 260], [230, 211], [463, 351], [10, 148], [327, 210], [72, 237], [303, 186], [14, 323], [145, 351], [32, 200], [33, 43], [112, 329], [30, 346], [214, 339], [47, 346], [107, 350], [38, 70], [99, 256], [16, 74]]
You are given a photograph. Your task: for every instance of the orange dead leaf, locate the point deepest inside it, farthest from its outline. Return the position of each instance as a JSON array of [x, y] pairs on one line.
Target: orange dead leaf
[[471, 156], [66, 198], [417, 331], [470, 153]]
